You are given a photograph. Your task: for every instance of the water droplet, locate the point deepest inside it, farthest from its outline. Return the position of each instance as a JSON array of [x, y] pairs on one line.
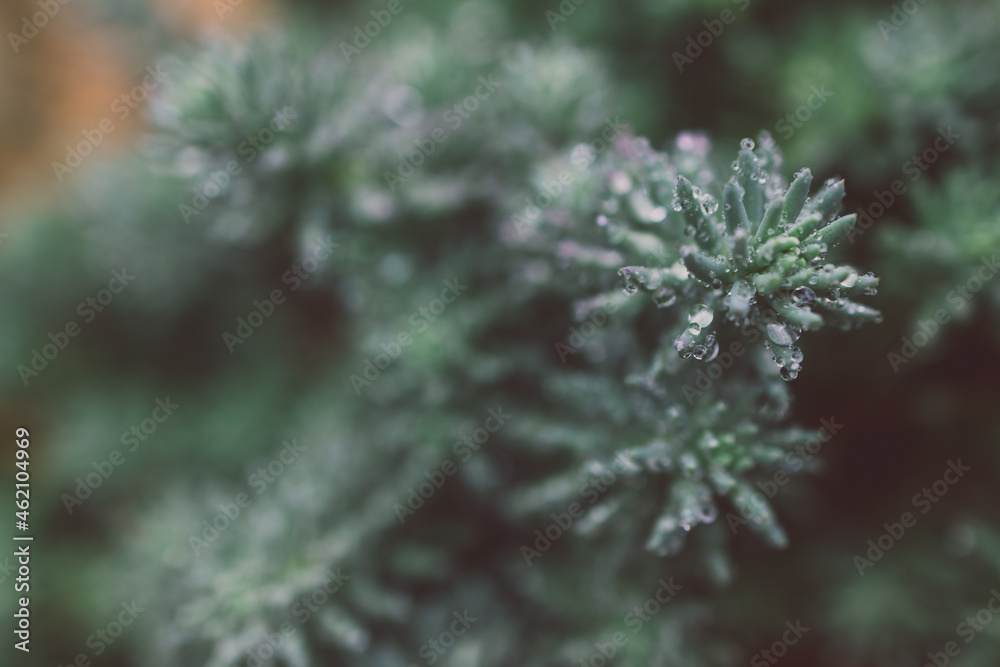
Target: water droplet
[[602, 221], [694, 328], [701, 315], [631, 282], [851, 280], [747, 144], [779, 335], [707, 512], [803, 296], [788, 374], [665, 297], [709, 205], [682, 351]]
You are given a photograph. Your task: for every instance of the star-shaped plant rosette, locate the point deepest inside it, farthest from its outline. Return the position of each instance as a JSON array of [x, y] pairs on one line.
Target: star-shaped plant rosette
[[759, 258]]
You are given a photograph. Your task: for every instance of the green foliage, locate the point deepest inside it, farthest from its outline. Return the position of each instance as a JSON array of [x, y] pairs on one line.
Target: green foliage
[[637, 312], [755, 261]]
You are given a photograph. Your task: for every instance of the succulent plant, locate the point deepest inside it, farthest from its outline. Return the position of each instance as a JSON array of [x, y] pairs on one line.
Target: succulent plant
[[758, 258]]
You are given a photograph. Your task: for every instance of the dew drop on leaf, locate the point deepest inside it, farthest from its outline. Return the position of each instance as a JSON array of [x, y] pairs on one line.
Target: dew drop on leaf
[[803, 296], [707, 512], [701, 315], [851, 280], [665, 297], [779, 334]]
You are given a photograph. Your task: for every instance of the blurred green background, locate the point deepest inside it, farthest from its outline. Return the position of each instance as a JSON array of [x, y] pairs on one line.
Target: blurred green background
[[853, 90]]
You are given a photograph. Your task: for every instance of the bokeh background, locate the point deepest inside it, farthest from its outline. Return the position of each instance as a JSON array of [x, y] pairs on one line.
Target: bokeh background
[[849, 89]]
